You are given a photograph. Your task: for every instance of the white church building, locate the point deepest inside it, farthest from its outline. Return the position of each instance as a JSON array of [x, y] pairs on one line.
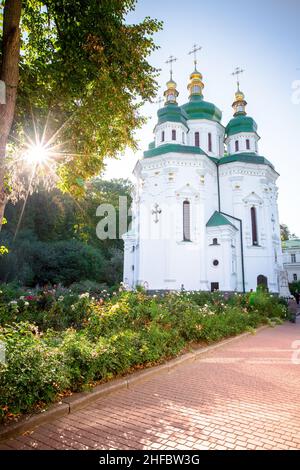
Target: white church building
[[204, 212]]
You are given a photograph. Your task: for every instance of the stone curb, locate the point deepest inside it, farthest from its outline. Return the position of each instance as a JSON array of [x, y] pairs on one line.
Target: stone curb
[[81, 400]]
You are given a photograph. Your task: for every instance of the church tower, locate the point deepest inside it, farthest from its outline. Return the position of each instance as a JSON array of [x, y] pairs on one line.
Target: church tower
[[203, 218]]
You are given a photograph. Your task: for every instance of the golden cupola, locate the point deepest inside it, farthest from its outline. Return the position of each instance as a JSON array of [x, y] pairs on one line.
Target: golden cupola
[[171, 92], [239, 104], [196, 84]]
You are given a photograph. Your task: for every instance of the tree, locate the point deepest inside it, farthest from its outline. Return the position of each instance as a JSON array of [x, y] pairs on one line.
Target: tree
[[44, 248], [285, 233], [83, 62]]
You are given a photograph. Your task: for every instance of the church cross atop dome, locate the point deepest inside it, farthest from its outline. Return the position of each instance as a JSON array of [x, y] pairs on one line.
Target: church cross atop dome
[[237, 72], [171, 92], [240, 103], [194, 51], [170, 62]]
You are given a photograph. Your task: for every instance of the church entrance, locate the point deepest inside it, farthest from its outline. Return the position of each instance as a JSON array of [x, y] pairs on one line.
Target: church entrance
[[262, 281], [214, 286]]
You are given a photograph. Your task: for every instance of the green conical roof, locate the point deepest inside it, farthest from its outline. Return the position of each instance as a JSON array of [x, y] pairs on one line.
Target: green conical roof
[[197, 108], [241, 123], [171, 113]]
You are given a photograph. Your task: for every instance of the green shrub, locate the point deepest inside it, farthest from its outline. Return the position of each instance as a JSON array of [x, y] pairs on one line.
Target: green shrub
[[33, 372], [73, 340]]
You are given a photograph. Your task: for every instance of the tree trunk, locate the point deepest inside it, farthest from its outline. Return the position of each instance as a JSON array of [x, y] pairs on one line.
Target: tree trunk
[[9, 73]]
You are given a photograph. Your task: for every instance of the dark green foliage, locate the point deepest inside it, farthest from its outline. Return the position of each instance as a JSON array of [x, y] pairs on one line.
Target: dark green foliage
[[57, 240], [73, 341]]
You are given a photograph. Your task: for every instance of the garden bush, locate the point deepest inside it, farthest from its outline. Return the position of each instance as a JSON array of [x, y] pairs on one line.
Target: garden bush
[[59, 340]]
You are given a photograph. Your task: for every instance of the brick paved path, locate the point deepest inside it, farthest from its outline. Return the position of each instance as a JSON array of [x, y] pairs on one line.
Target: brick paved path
[[244, 395]]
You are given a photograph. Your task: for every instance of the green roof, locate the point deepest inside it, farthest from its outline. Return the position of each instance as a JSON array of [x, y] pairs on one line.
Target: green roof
[[291, 244], [241, 123], [171, 113], [218, 219], [151, 145], [246, 157], [197, 108], [167, 148]]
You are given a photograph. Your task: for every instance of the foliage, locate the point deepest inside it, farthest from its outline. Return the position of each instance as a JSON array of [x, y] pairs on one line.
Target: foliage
[[57, 240], [84, 74], [294, 287], [60, 340], [285, 233]]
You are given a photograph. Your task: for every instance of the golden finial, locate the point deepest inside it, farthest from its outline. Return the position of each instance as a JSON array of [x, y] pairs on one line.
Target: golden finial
[[171, 92], [239, 104], [196, 85]]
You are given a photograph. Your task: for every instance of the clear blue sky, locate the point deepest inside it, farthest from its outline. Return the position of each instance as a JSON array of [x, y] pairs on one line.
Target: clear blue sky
[[263, 37]]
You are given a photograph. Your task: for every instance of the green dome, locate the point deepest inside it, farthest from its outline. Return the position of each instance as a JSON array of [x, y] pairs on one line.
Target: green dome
[[171, 113], [197, 108], [241, 123]]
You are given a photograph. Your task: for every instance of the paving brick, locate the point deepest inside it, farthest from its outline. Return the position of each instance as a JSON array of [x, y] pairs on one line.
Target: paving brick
[[233, 397]]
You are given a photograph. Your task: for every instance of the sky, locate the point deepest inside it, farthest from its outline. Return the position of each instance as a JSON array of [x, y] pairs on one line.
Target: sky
[[262, 37]]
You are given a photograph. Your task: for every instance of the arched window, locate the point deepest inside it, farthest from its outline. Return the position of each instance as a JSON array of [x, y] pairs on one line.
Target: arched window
[[237, 147], [254, 226], [247, 144], [197, 139], [186, 221], [215, 241], [163, 136], [209, 142], [173, 134], [183, 140]]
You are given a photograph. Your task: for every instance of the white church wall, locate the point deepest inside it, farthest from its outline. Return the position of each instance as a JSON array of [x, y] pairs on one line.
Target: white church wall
[[167, 128], [225, 272], [166, 261], [245, 186], [204, 127], [242, 138]]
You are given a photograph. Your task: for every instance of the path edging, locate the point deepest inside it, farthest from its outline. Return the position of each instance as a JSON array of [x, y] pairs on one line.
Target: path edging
[[80, 400]]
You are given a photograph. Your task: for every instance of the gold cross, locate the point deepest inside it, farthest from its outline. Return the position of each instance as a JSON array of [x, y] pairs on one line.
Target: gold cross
[[194, 51], [170, 61]]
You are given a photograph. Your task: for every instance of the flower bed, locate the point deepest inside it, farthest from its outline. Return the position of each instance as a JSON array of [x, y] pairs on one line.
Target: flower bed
[[59, 342]]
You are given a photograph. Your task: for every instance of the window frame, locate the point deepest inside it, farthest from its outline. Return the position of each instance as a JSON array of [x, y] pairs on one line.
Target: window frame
[[254, 231], [210, 142], [186, 221]]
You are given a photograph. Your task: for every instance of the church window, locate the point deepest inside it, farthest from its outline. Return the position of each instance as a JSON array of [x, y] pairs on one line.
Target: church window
[[132, 267], [293, 258], [186, 221], [276, 256], [254, 226], [216, 262], [163, 136], [215, 241], [197, 139], [209, 142], [237, 147], [295, 277], [183, 138], [173, 134], [247, 144]]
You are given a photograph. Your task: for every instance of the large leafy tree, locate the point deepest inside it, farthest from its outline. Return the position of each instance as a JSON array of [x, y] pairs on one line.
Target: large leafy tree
[[80, 73]]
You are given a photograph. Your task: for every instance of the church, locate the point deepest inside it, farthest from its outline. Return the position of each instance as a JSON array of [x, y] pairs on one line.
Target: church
[[204, 211]]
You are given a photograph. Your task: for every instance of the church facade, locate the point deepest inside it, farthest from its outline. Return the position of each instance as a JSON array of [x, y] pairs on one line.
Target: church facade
[[204, 212]]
